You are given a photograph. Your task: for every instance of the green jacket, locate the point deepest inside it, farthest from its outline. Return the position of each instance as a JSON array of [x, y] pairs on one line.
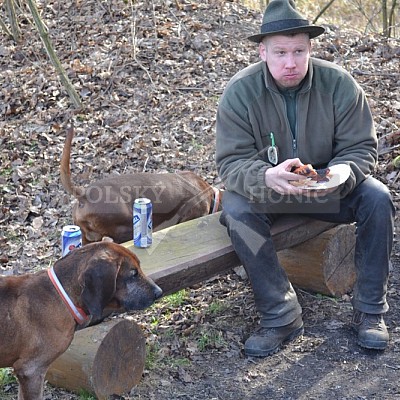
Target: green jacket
[[334, 125]]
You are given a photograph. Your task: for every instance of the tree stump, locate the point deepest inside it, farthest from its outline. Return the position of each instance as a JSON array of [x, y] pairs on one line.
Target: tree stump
[[104, 359], [324, 264]]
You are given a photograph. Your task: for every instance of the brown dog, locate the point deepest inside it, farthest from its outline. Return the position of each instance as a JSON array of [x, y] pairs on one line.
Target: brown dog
[[38, 323], [104, 207]]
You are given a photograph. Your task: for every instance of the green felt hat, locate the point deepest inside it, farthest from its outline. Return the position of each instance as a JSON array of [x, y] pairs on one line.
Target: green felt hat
[[281, 17]]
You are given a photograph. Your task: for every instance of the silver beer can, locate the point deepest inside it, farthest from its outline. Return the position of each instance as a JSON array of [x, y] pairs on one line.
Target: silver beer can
[[142, 222]]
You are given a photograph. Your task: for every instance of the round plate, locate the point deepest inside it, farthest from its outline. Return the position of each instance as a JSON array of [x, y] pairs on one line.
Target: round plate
[[337, 175]]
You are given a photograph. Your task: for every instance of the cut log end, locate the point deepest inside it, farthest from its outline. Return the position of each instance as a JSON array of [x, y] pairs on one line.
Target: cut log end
[[104, 359], [324, 264]]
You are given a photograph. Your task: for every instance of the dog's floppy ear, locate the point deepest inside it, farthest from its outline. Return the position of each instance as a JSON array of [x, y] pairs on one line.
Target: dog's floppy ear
[[98, 282]]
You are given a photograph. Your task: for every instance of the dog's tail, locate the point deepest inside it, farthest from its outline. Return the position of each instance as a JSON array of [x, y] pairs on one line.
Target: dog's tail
[[65, 171]]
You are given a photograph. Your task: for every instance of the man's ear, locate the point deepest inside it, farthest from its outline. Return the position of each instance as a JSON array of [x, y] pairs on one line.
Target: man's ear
[[262, 51]]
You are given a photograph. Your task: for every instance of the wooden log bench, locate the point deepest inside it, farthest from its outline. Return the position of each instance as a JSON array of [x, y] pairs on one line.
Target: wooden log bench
[[317, 256], [192, 252]]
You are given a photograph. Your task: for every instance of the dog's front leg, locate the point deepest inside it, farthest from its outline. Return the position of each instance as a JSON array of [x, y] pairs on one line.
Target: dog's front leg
[[31, 383]]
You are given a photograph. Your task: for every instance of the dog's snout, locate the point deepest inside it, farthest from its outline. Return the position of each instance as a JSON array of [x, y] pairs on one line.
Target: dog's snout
[[157, 292]]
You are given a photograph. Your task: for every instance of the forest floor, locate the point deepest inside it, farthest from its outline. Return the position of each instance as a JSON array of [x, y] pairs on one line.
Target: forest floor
[[150, 75]]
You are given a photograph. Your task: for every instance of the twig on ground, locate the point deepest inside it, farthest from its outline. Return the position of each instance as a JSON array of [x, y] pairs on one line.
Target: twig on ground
[[134, 42]]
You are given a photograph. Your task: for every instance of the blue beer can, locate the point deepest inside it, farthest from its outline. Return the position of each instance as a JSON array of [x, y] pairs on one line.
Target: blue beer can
[[71, 238], [142, 222]]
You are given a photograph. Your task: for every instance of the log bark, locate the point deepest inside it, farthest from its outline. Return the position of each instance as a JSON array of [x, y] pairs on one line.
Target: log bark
[[324, 264], [104, 359]]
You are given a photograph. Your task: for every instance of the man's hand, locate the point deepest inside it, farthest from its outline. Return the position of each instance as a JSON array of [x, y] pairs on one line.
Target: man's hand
[[277, 178]]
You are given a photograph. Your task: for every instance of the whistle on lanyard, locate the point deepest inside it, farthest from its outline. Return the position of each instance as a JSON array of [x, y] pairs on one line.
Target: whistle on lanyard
[[272, 152]]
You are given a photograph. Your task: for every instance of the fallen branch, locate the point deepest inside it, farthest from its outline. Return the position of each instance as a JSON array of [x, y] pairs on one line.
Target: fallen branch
[[3, 26], [385, 74], [389, 142], [386, 150]]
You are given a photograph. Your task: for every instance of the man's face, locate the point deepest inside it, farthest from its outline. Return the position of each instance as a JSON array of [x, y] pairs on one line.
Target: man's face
[[287, 58]]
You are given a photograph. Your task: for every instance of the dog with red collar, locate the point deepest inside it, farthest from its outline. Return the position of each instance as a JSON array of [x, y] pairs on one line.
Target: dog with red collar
[[43, 310]]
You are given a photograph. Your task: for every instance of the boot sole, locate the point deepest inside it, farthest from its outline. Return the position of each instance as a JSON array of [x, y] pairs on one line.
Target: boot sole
[[372, 345], [260, 353]]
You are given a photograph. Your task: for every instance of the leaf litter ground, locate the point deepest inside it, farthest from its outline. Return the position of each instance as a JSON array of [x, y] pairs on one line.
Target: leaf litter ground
[[150, 75]]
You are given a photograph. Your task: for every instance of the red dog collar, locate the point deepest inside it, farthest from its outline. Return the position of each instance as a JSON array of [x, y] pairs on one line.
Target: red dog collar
[[78, 314]]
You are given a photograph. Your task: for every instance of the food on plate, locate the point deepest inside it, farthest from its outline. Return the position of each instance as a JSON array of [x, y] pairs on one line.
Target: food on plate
[[308, 171]]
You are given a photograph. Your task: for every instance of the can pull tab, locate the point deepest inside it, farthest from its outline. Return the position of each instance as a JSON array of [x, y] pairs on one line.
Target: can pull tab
[[272, 151]]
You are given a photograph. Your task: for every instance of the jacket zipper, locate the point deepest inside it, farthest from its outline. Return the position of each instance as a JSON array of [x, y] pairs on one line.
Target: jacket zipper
[[294, 141], [294, 146]]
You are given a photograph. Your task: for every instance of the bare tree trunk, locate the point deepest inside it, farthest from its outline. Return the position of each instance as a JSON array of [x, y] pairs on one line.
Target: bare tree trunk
[[385, 28], [323, 10], [52, 55], [15, 31], [392, 26]]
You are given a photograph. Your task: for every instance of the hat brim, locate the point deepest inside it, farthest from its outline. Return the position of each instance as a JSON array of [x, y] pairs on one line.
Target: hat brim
[[312, 30]]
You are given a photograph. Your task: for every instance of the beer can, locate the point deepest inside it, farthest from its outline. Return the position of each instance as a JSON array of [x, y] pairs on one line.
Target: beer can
[[71, 238], [142, 222]]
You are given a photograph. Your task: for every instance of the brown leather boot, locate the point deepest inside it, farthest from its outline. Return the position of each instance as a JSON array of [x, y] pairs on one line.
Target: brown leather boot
[[371, 329], [267, 341]]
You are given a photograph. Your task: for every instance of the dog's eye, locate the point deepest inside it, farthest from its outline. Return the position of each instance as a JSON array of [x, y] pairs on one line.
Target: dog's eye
[[134, 272]]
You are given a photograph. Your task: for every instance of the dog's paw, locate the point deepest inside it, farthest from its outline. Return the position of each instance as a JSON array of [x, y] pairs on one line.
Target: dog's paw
[[106, 239]]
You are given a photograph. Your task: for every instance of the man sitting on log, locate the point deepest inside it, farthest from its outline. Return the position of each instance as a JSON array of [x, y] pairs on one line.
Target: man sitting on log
[[279, 114]]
